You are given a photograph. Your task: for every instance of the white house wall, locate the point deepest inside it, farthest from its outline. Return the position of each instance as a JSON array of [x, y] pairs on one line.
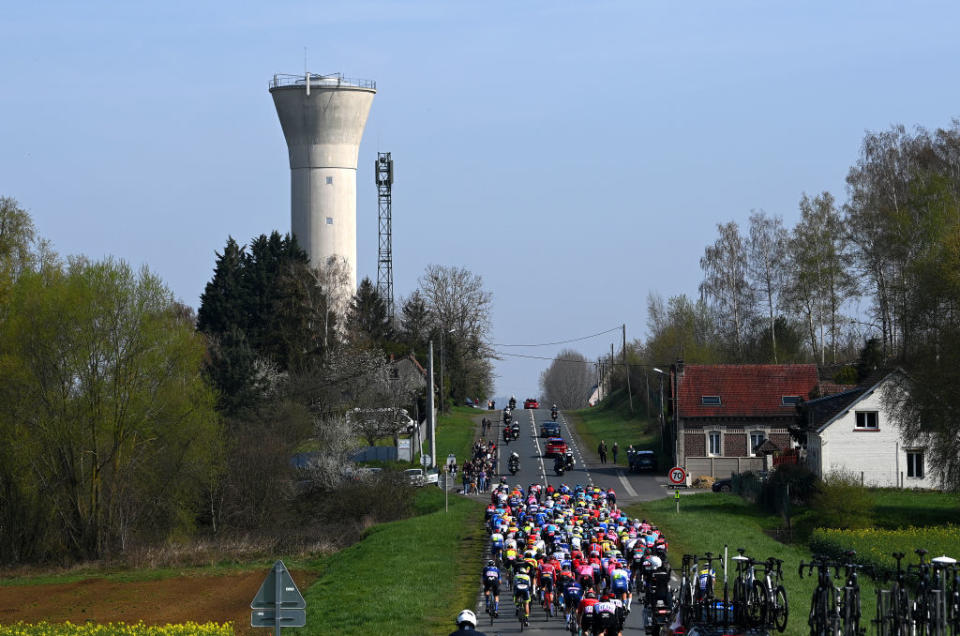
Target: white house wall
[[878, 456]]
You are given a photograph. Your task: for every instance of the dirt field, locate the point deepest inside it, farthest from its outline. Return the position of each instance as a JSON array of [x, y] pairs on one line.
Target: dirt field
[[176, 600]]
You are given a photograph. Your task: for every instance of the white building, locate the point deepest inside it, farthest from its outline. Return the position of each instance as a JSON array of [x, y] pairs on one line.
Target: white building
[[855, 432]]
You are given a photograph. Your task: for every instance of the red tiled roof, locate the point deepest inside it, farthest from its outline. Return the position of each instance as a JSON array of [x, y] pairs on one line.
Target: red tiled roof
[[747, 390]]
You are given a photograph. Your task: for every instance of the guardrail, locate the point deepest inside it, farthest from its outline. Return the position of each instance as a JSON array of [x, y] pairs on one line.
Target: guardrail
[[320, 81]]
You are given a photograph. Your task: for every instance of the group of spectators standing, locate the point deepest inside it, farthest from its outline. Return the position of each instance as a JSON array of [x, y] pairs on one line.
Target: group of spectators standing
[[602, 451], [478, 473]]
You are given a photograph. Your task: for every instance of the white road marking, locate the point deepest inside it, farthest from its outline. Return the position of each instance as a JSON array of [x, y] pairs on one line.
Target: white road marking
[[577, 450], [536, 441], [626, 484]]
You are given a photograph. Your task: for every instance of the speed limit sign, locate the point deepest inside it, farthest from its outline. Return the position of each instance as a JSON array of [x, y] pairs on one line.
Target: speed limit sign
[[677, 475]]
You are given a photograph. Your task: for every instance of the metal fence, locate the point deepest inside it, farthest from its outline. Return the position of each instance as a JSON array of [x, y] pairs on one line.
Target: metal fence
[[320, 81]]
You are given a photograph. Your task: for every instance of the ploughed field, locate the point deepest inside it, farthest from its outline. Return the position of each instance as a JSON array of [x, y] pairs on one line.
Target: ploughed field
[[219, 598]]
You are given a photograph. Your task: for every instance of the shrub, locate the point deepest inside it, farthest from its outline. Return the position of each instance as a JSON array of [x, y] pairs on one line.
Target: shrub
[[847, 375], [800, 480], [747, 485], [842, 502]]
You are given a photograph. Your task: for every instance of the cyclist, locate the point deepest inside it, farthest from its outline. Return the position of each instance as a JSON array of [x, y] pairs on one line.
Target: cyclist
[[491, 586], [620, 585], [606, 619], [572, 595], [522, 588], [545, 581], [467, 624], [585, 612], [496, 543]]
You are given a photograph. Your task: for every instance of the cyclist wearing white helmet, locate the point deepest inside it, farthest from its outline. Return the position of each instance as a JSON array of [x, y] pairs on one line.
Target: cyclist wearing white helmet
[[467, 624]]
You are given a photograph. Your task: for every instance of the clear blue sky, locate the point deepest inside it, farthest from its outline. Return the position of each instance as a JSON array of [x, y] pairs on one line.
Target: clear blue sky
[[575, 154]]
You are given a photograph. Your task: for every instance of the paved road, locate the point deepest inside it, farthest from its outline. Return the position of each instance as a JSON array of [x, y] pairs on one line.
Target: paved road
[[630, 487], [535, 468]]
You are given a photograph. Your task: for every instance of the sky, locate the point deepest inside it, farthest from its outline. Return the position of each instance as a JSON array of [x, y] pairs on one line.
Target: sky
[[576, 155]]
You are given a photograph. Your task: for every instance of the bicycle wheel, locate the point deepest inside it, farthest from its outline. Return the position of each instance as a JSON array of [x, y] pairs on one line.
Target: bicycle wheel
[[739, 600], [780, 609], [757, 604]]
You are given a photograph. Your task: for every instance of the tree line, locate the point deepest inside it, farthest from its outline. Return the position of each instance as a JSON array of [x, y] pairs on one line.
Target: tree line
[[870, 283], [131, 420]]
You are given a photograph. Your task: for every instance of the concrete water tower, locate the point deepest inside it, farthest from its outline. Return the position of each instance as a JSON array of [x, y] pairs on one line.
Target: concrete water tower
[[323, 117]]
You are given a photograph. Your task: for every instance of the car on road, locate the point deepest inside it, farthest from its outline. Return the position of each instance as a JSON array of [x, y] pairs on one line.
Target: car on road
[[549, 429], [530, 403], [555, 446], [722, 485], [641, 460]]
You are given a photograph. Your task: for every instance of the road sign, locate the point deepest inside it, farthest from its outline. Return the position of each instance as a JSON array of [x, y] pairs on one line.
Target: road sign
[[288, 618], [677, 475], [279, 602], [278, 589]]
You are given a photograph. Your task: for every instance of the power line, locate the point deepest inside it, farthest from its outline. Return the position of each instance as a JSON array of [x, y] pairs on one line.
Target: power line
[[560, 342], [606, 362]]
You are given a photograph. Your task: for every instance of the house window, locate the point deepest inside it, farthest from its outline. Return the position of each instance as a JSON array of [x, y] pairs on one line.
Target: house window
[[329, 220], [329, 180], [915, 464], [710, 400], [756, 438], [789, 400], [867, 420], [714, 442]]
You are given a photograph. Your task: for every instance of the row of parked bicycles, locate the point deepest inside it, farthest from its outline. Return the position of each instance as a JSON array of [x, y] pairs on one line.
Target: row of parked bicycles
[[746, 596], [921, 599]]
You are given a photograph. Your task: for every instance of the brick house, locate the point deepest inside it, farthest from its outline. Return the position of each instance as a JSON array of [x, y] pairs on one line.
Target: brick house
[[724, 412]]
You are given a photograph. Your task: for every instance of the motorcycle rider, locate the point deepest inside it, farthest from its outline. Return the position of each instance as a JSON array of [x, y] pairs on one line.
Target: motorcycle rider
[[568, 458], [559, 464], [514, 462]]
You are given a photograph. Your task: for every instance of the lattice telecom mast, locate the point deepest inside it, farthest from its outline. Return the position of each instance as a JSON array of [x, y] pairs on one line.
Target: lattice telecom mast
[[384, 176]]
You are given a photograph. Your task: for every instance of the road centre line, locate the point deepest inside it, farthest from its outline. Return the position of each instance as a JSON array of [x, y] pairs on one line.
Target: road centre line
[[536, 441], [577, 449]]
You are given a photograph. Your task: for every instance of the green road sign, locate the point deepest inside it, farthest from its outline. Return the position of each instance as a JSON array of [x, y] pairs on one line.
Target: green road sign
[[288, 618], [279, 591]]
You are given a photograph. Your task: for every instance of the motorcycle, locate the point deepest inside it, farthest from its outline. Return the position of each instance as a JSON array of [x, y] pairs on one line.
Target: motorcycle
[[554, 415], [559, 467], [568, 460], [514, 465], [515, 430], [513, 403]]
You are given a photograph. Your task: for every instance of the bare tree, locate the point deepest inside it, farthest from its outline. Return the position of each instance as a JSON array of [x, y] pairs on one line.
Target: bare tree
[[567, 381], [725, 284], [459, 308], [766, 259]]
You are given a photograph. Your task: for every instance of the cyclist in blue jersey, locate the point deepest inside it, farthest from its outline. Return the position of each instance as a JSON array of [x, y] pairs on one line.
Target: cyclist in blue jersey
[[491, 585]]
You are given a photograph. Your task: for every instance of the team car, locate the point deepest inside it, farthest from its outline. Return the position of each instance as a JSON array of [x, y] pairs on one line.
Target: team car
[[530, 403], [555, 446], [549, 429]]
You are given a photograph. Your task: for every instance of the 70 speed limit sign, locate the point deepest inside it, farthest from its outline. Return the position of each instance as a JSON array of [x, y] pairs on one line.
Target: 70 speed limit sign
[[677, 475]]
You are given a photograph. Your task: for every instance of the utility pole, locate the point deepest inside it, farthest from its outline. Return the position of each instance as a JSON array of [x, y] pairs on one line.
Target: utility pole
[[626, 367], [431, 409]]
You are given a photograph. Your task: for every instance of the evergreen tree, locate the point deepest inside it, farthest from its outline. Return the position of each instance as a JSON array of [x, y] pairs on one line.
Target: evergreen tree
[[367, 319]]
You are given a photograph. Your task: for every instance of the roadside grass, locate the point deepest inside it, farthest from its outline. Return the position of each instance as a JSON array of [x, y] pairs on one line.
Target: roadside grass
[[612, 421], [709, 521], [904, 508], [406, 577], [456, 433]]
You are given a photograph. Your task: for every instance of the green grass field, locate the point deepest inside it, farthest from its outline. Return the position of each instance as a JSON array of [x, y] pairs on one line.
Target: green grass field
[[456, 433], [612, 421], [406, 577]]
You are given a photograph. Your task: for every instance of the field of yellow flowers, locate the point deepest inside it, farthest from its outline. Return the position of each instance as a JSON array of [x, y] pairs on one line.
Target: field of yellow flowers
[[116, 629], [874, 546]]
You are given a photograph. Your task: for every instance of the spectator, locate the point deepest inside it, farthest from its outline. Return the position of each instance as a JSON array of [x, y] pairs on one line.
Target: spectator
[[602, 451], [616, 449]]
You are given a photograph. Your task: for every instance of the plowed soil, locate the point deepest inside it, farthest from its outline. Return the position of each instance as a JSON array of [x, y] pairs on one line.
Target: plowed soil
[[175, 600]]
